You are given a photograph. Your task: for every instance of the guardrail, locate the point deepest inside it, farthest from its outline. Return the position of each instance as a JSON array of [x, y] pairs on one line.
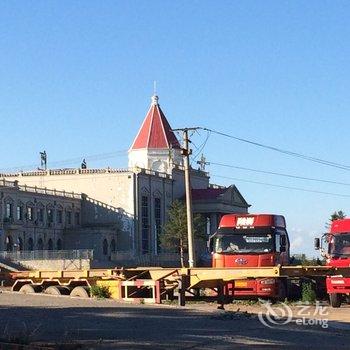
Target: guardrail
[[47, 255]]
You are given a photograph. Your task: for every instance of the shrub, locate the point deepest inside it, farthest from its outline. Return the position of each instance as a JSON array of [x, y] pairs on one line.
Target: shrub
[[100, 292], [308, 294]]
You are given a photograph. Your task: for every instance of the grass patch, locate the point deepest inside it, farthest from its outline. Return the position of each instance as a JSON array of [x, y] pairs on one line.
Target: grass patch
[[100, 292], [308, 294]]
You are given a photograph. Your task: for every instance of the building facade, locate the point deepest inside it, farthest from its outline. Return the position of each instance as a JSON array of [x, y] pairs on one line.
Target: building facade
[[135, 201], [35, 219]]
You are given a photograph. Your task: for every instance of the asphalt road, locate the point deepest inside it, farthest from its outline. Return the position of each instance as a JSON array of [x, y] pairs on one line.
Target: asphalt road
[[106, 324]]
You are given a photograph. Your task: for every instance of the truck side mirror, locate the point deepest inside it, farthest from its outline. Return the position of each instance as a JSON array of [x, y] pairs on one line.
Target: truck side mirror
[[282, 248], [317, 244]]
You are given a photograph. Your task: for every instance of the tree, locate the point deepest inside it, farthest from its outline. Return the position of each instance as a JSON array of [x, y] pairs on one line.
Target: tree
[[335, 216], [174, 234]]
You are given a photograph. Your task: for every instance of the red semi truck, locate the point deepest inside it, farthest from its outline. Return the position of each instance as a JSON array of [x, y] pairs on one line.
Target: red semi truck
[[337, 254], [252, 240]]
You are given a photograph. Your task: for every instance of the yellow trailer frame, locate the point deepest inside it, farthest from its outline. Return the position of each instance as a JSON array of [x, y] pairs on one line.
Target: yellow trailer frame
[[160, 281]]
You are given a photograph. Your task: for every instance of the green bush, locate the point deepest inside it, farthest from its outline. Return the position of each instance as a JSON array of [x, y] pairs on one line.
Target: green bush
[[100, 292], [308, 294]]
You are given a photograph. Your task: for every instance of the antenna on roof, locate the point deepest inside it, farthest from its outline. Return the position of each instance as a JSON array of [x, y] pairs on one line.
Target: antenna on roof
[[154, 88]]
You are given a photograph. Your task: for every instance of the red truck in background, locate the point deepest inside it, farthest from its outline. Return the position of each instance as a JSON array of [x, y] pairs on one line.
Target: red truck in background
[[337, 254], [252, 240]]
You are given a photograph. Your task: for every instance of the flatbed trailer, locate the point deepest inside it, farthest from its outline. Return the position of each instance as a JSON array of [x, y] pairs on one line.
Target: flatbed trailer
[[154, 284]]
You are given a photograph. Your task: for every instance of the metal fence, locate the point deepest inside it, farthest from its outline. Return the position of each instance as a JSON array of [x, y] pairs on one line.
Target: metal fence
[[128, 259], [48, 255]]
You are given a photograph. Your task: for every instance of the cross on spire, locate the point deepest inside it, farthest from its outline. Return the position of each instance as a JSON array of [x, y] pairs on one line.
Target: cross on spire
[[202, 163]]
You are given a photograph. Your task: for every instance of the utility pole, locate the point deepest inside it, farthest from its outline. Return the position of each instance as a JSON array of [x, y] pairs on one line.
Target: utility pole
[[186, 152]]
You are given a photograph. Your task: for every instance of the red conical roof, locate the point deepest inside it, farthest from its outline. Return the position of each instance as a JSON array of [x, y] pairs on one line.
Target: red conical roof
[[155, 131]]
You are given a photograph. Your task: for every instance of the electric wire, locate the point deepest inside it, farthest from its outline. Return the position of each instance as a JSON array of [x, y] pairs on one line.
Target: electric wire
[[280, 150], [282, 186], [281, 174]]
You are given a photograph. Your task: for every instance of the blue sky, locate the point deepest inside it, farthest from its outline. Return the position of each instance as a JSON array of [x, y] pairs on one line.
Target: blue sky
[[76, 79]]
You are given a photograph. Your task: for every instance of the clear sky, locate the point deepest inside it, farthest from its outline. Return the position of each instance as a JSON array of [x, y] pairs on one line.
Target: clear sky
[[76, 79]]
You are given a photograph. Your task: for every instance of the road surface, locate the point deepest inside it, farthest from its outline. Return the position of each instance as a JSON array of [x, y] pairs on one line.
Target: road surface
[[106, 324]]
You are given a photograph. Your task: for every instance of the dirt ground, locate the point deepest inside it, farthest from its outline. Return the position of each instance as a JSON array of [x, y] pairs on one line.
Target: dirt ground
[[107, 324]]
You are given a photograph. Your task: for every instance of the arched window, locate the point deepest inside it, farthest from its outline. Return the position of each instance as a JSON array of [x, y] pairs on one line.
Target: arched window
[[20, 243], [40, 244], [105, 247], [50, 244], [40, 213], [9, 244], [30, 244], [59, 244], [30, 211], [112, 246], [8, 209]]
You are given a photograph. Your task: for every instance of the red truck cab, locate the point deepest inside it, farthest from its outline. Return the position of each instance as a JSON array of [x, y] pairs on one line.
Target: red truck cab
[[252, 240], [337, 255]]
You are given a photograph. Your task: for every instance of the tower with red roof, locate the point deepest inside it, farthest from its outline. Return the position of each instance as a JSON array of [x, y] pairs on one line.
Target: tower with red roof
[[155, 146]]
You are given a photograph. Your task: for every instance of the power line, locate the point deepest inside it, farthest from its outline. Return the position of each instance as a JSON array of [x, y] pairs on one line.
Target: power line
[[281, 174], [280, 150], [284, 187], [200, 148]]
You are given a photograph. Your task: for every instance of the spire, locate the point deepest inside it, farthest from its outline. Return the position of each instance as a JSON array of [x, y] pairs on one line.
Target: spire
[[155, 131]]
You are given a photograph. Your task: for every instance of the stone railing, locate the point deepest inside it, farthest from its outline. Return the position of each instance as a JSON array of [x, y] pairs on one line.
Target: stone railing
[[34, 189], [74, 171]]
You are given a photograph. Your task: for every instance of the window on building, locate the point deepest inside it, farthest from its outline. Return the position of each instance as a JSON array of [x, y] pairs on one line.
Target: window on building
[[30, 213], [20, 243], [40, 244], [30, 244], [59, 216], [8, 212], [105, 247], [69, 217], [144, 225], [59, 244], [158, 221], [77, 218], [50, 244], [40, 214], [19, 212], [9, 244], [113, 246], [50, 215]]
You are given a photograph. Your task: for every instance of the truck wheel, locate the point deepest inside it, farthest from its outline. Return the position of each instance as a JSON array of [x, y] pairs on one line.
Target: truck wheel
[[29, 289], [57, 290], [81, 292], [335, 299], [347, 299]]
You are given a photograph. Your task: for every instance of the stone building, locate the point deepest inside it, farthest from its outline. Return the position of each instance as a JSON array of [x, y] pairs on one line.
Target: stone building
[[137, 198], [35, 219]]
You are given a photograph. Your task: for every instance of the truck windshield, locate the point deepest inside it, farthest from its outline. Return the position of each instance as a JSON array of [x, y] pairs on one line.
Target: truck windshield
[[339, 245], [243, 242]]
